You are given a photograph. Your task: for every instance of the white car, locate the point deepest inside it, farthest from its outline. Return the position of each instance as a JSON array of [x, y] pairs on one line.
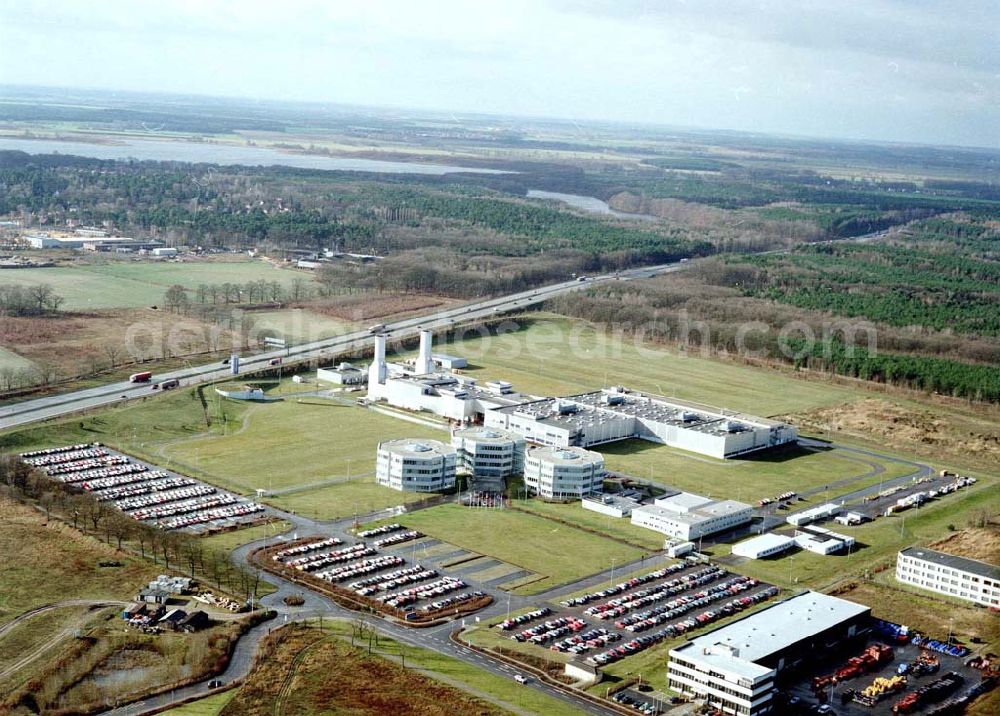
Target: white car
[[520, 679]]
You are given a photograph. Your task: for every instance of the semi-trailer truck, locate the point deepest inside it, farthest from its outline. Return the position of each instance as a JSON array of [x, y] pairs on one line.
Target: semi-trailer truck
[[143, 377]]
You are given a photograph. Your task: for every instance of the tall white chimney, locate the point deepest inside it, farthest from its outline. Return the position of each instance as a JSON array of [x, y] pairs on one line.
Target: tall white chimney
[[376, 371], [425, 364]]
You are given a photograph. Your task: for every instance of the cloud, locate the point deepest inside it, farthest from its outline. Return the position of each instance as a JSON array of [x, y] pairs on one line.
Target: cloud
[[814, 68]]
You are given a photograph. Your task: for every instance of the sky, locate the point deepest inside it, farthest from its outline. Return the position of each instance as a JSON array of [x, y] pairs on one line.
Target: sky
[[900, 70]]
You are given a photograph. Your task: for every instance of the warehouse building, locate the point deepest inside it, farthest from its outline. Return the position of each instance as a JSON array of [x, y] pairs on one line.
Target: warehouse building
[[488, 452], [617, 413], [735, 667], [685, 516], [563, 473], [415, 465], [958, 577], [822, 541], [342, 374], [763, 546]]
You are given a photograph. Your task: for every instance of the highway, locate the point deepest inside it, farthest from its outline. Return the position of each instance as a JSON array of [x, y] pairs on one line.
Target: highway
[[53, 406]]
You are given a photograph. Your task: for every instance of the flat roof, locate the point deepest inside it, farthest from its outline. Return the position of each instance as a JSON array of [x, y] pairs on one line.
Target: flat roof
[[566, 455], [742, 643], [973, 566], [417, 447], [766, 541], [487, 435]]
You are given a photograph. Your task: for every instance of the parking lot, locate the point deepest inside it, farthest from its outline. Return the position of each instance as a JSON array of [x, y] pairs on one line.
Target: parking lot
[[145, 492], [365, 570], [606, 625], [923, 667]]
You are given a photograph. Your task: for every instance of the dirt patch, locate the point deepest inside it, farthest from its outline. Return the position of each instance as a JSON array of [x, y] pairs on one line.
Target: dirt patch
[[981, 543], [901, 426], [365, 307]]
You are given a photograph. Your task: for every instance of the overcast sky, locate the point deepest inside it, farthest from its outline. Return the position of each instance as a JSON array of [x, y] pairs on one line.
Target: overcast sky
[[904, 70]]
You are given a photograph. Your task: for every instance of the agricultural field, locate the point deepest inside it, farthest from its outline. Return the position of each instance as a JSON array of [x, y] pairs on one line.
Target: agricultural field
[[560, 553], [134, 284], [298, 325]]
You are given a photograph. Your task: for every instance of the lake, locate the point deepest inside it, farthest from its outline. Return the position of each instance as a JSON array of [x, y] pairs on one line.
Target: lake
[[226, 154], [587, 203]]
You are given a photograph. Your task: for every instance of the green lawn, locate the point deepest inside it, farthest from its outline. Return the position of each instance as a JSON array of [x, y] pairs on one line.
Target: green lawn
[[555, 355], [291, 443], [359, 496], [743, 479], [208, 706], [142, 283], [228, 541], [560, 552], [617, 527]]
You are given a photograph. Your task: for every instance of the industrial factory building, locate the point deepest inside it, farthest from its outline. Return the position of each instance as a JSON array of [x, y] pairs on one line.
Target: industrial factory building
[[734, 668], [958, 577], [342, 374], [685, 516], [619, 414], [763, 546], [563, 473], [415, 465], [420, 388], [487, 452]]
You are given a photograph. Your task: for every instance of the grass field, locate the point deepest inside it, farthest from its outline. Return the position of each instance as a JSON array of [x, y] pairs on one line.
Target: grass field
[[48, 564], [334, 677], [555, 355], [745, 479], [11, 360], [561, 553], [141, 283], [228, 541], [305, 443], [208, 706], [361, 496], [619, 528], [297, 325]]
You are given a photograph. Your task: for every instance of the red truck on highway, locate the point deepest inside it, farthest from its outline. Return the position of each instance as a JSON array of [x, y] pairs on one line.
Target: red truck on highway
[[143, 377]]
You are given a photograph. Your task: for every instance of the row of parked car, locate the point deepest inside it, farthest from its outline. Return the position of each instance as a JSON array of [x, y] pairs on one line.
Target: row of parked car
[[426, 591], [452, 601], [337, 556], [398, 538], [198, 504], [399, 578], [139, 476], [134, 489], [626, 585], [360, 568], [383, 530], [508, 624], [647, 620], [129, 504], [777, 498], [282, 555], [52, 461], [552, 629], [590, 639], [232, 512], [96, 472], [58, 450], [633, 600], [626, 699], [681, 627]]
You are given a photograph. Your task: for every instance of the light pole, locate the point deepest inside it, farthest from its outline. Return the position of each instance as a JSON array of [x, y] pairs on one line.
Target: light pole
[[612, 572]]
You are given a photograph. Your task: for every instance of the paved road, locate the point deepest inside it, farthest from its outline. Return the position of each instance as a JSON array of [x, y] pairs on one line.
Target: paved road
[[52, 406]]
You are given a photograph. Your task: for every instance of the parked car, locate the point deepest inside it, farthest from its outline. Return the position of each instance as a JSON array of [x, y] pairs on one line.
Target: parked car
[[520, 679]]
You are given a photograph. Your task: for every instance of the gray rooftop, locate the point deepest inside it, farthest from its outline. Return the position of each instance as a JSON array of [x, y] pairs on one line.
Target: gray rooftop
[[973, 566], [757, 636]]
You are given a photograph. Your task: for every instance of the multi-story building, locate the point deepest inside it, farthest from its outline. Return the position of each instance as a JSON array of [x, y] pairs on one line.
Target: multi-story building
[[687, 516], [563, 473], [415, 465], [958, 577], [735, 667], [488, 452]]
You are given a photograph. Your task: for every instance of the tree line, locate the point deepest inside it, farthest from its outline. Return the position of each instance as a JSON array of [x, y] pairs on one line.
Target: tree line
[[39, 299]]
